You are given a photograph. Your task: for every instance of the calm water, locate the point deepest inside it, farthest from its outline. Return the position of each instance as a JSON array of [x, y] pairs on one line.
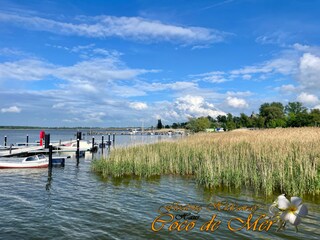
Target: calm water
[[74, 203]]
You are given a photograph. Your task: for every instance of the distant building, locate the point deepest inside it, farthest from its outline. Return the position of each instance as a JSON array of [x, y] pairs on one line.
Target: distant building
[[210, 130]]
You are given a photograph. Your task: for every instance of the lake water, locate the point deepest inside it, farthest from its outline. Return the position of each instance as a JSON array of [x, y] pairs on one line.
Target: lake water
[[74, 203]]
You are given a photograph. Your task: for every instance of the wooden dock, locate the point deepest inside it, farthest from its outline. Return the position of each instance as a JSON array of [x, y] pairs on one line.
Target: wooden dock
[[25, 150]]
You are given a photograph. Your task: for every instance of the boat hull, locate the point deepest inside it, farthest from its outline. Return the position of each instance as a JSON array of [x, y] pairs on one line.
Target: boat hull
[[21, 165]]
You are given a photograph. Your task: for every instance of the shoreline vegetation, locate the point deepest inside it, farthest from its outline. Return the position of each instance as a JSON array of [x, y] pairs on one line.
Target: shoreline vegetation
[[282, 160]]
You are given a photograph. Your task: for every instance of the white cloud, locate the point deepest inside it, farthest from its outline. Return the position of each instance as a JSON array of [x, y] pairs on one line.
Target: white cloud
[[59, 105], [157, 86], [309, 75], [100, 69], [237, 102], [13, 109], [28, 69], [308, 99], [212, 77], [96, 69], [88, 51], [246, 76], [239, 94], [138, 105], [12, 52], [281, 65], [136, 28], [195, 106], [287, 88], [278, 38], [285, 65], [306, 48]]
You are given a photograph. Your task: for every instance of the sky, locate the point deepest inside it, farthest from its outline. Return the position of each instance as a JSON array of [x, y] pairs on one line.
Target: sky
[[128, 63]]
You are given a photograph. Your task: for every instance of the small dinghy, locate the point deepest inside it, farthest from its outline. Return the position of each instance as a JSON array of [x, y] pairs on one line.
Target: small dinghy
[[36, 161]]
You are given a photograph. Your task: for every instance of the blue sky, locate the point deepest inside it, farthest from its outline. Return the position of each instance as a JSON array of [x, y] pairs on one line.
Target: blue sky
[[127, 63]]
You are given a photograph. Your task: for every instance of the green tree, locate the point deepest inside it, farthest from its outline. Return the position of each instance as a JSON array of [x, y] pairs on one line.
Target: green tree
[[175, 125], [230, 125], [159, 125], [198, 124], [295, 108], [315, 117], [222, 119], [297, 115], [245, 121], [273, 114], [259, 122]]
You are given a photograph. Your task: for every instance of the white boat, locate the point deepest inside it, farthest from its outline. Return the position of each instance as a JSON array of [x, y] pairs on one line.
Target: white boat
[[72, 146], [37, 161]]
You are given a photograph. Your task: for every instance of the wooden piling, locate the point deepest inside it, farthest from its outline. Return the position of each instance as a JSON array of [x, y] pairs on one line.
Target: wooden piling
[[79, 135], [50, 156], [46, 141], [5, 141], [27, 140], [92, 149], [78, 151], [114, 139]]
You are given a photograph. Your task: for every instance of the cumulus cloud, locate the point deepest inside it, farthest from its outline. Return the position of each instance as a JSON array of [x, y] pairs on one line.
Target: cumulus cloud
[[235, 102], [309, 75], [138, 105], [195, 106], [136, 28], [13, 109], [308, 99]]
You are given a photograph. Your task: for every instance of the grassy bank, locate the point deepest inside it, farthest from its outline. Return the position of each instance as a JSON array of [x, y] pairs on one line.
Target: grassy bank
[[285, 160]]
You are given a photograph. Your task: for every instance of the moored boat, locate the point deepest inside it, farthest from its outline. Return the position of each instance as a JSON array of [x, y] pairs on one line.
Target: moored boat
[[72, 146], [36, 161]]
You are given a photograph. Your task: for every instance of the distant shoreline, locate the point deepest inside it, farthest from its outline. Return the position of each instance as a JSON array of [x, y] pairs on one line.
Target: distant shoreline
[[61, 128]]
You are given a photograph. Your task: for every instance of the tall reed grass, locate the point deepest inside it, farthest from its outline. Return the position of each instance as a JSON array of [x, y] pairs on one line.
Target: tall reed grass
[[284, 160]]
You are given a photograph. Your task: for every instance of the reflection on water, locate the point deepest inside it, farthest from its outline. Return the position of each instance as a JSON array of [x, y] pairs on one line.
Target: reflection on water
[[74, 203]]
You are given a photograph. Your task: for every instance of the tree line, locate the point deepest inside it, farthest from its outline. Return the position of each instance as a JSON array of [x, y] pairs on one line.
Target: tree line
[[271, 115]]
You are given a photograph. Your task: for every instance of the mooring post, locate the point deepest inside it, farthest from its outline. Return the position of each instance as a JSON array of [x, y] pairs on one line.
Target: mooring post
[[114, 139], [78, 151], [50, 156], [27, 140], [46, 141], [102, 143], [79, 135], [5, 141], [93, 149], [10, 148], [109, 139]]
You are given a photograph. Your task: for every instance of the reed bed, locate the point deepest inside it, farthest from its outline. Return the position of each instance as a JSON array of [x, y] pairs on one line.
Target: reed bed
[[268, 161]]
